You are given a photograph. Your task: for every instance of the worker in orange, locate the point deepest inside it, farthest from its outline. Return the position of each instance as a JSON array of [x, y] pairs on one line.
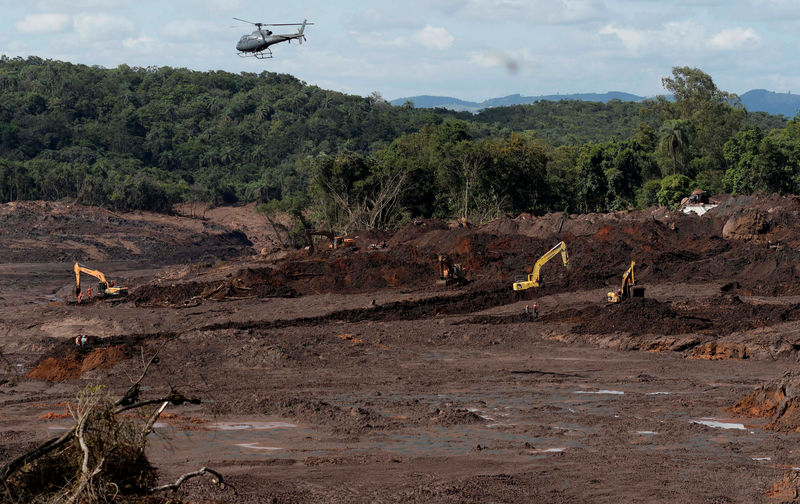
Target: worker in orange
[[89, 293], [80, 296], [535, 310]]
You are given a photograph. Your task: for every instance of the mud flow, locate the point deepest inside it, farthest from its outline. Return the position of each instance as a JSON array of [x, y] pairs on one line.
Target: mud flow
[[358, 375]]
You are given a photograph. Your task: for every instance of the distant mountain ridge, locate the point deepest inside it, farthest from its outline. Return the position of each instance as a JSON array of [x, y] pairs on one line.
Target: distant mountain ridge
[[771, 102], [427, 101], [756, 100]]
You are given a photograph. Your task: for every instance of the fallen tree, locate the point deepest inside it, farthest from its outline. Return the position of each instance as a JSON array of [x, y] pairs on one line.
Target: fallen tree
[[101, 458]]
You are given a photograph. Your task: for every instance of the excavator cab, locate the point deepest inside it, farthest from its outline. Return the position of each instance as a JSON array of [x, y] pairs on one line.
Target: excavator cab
[[340, 241]]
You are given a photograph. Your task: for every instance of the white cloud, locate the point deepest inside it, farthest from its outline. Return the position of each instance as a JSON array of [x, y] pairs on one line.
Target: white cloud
[[430, 37], [632, 39], [685, 36], [50, 22], [393, 17], [735, 38], [91, 27], [535, 11], [78, 5], [142, 43], [776, 7], [782, 83], [188, 29], [221, 5], [434, 38]]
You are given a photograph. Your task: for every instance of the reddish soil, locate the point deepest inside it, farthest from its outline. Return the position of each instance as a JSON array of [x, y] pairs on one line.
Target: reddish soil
[[351, 375], [77, 363]]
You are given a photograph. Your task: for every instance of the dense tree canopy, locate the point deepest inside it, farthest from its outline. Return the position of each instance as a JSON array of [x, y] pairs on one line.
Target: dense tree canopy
[[146, 138]]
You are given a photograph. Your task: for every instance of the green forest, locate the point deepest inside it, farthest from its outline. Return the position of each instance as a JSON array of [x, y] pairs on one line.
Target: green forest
[[148, 138]]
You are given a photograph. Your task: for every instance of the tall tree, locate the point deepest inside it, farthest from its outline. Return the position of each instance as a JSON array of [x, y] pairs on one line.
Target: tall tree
[[715, 115], [676, 136]]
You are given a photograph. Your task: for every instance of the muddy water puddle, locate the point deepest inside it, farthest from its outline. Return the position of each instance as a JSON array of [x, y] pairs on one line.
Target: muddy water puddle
[[716, 424], [557, 419], [463, 439], [229, 440]]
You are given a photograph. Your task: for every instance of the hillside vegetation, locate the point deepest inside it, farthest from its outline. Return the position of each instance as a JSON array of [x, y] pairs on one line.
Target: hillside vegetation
[[146, 138]]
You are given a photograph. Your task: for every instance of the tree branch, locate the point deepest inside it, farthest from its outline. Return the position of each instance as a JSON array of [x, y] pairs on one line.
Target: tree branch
[[173, 397], [148, 427], [32, 455], [217, 480]]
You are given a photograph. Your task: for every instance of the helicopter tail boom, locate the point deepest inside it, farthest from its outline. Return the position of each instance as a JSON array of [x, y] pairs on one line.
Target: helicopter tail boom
[[302, 37]]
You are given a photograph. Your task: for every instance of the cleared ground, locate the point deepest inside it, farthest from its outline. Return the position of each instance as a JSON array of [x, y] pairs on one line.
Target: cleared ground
[[351, 376]]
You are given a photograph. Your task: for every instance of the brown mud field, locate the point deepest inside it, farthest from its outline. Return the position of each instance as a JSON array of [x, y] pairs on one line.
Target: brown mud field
[[353, 375]]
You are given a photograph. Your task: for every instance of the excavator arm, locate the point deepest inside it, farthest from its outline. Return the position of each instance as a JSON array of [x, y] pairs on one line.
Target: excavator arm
[[628, 278], [311, 234], [628, 282], [533, 278]]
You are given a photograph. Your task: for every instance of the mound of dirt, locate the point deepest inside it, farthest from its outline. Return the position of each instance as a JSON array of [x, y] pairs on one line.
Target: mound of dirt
[[747, 224], [346, 271], [787, 489], [778, 400], [76, 363], [714, 350], [718, 316], [636, 316], [52, 369], [248, 282], [343, 419], [454, 416]]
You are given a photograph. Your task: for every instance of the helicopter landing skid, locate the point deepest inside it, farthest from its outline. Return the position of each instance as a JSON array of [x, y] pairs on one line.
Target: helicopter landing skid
[[265, 54]]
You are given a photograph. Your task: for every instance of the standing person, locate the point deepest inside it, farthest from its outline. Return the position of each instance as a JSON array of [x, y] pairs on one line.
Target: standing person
[[89, 293], [535, 310]]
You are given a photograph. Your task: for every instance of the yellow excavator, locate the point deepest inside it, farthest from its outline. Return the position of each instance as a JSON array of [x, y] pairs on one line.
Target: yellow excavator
[[335, 241], [533, 278], [628, 288], [105, 287], [340, 241], [450, 272]]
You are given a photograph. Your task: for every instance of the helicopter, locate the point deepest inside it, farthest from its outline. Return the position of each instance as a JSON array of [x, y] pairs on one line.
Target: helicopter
[[256, 45]]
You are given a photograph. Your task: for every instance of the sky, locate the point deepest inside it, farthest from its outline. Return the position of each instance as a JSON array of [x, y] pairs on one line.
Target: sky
[[468, 49]]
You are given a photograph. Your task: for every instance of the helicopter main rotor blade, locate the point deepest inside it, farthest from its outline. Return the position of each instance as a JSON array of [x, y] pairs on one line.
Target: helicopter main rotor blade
[[271, 24]]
